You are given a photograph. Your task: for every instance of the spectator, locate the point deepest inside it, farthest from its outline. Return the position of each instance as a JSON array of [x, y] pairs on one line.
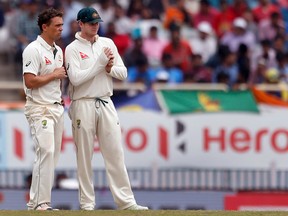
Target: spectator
[[122, 41], [134, 10], [229, 67], [206, 13], [135, 51], [167, 73], [200, 73], [224, 20], [238, 7], [282, 66], [136, 62], [153, 46], [238, 35], [218, 57], [27, 29], [265, 52], [2, 17], [279, 44], [243, 62], [138, 73], [176, 14], [74, 27], [272, 76], [106, 9], [252, 26], [204, 43], [122, 23], [179, 49], [157, 8], [258, 74], [57, 4], [271, 27], [283, 4], [223, 78], [70, 7], [264, 9]]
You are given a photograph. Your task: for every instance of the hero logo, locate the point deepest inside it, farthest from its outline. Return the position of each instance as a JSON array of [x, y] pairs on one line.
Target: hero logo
[[241, 140]]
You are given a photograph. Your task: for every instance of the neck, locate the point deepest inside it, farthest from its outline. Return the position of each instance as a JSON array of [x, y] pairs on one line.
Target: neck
[[47, 39], [91, 39]]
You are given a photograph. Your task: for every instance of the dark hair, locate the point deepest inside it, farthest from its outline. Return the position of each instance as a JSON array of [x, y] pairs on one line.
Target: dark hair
[[280, 56], [222, 76], [46, 16], [153, 28], [166, 57]]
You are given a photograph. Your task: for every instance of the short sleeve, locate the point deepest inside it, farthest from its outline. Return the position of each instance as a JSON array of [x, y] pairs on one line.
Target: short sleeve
[[31, 62]]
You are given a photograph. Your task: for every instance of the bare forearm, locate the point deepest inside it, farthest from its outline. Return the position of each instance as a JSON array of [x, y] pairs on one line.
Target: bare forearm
[[33, 81], [38, 81]]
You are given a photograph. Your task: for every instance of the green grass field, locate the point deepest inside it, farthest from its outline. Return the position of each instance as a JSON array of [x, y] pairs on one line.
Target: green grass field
[[144, 213]]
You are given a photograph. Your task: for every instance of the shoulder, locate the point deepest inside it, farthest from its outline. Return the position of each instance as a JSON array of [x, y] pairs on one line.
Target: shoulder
[[106, 40], [32, 47], [74, 44]]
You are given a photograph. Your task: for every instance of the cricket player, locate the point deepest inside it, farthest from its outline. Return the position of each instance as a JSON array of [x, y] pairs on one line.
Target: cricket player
[[92, 62], [42, 73]]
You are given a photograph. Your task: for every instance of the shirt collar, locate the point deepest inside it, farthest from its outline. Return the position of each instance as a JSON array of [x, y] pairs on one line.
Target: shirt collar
[[45, 44], [78, 37]]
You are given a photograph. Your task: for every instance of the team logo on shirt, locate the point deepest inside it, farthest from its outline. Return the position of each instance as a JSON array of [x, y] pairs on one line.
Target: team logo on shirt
[[83, 55], [44, 124], [78, 122], [28, 63], [47, 61], [59, 58]]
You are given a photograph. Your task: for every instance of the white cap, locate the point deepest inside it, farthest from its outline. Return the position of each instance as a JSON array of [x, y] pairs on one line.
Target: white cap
[[240, 22], [162, 75], [205, 27]]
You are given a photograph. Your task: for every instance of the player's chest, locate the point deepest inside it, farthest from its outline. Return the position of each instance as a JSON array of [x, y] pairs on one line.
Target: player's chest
[[49, 60]]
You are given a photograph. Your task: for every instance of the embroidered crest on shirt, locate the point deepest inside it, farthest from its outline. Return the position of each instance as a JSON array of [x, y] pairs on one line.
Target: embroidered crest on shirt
[[78, 122], [47, 61], [83, 55], [44, 124]]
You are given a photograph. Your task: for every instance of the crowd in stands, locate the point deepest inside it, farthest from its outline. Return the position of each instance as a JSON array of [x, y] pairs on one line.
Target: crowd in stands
[[173, 41]]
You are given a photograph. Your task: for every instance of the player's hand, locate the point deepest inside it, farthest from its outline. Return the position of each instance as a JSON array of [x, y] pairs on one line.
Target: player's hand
[[109, 54], [60, 73]]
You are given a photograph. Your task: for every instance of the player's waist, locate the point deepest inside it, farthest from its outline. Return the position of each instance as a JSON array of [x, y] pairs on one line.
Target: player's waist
[[91, 98], [30, 101]]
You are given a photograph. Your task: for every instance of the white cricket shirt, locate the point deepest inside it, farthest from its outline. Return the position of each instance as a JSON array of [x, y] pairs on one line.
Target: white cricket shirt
[[85, 64], [39, 59]]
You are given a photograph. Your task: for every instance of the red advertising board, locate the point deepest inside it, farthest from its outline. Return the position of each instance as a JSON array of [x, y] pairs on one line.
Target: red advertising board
[[252, 201]]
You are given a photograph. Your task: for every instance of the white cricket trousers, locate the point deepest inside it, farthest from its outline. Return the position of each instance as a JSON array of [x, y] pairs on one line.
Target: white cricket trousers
[[46, 124], [89, 118]]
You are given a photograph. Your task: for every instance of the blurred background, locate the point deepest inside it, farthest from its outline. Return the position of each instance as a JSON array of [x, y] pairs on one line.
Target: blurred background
[[203, 110]]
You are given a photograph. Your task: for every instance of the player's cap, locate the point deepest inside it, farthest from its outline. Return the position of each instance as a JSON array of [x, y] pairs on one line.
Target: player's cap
[[88, 14]]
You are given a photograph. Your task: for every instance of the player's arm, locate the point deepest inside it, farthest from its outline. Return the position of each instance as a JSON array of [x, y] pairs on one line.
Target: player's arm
[[31, 67], [115, 66], [33, 81], [78, 76]]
